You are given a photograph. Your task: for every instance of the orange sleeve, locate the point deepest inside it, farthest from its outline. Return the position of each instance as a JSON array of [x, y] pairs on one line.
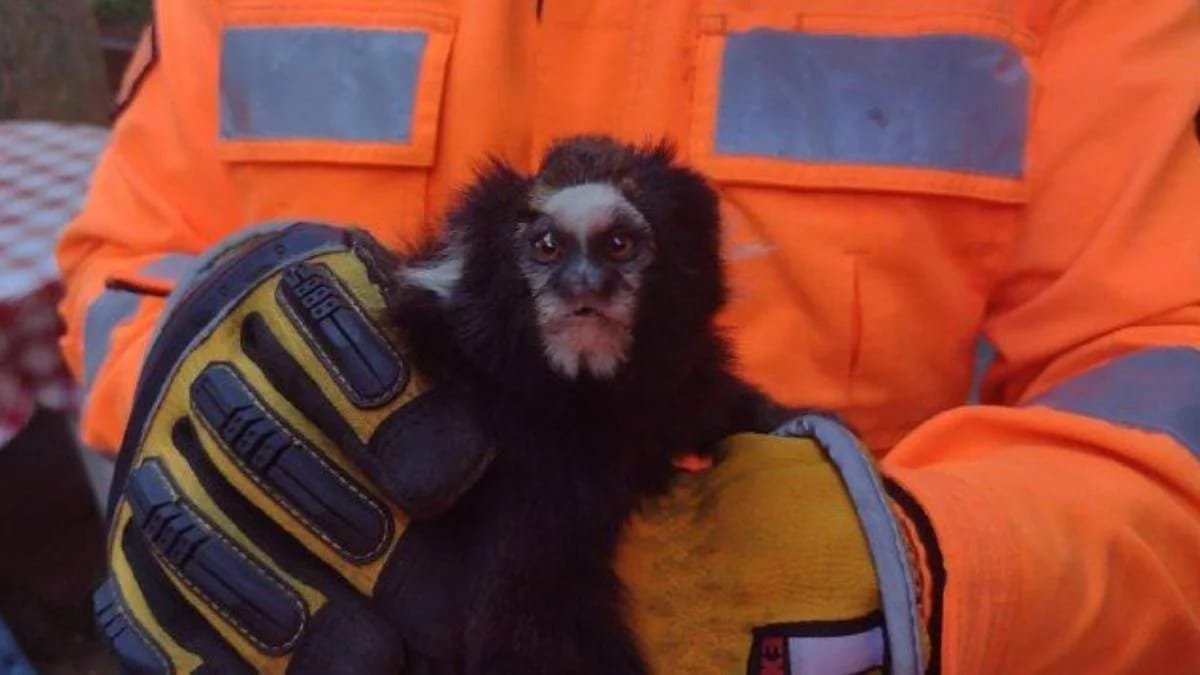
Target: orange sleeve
[[155, 202], [1068, 513]]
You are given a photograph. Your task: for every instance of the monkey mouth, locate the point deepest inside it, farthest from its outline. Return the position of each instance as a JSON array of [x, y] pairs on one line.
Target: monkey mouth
[[599, 315], [586, 338]]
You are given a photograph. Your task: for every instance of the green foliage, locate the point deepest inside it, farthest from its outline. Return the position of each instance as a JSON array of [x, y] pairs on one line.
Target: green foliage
[[122, 10]]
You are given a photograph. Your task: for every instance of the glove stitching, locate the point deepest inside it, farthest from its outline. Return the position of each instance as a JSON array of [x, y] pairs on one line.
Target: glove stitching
[[896, 540], [369, 254], [836, 434], [282, 500], [135, 627], [314, 345], [900, 547], [245, 632], [915, 559]]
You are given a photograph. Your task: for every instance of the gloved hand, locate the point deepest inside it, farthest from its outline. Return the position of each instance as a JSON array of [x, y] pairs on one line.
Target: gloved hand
[[786, 558], [281, 454]]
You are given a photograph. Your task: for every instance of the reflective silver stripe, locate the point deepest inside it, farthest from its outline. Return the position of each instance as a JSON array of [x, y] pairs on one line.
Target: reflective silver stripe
[[112, 308], [984, 356], [170, 267], [897, 585], [319, 83], [1155, 390], [953, 102]]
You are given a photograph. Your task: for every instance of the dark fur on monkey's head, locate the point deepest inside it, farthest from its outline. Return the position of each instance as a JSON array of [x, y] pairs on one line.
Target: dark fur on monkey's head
[[570, 316], [602, 268]]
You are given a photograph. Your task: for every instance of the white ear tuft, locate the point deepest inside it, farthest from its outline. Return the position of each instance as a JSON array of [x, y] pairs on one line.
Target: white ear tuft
[[439, 276]]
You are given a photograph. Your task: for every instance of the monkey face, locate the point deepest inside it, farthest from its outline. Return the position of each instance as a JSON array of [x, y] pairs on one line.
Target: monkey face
[[582, 252], [604, 265]]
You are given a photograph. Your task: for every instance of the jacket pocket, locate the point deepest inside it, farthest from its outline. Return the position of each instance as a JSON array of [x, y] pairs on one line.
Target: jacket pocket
[[348, 82], [329, 110], [934, 103], [873, 166]]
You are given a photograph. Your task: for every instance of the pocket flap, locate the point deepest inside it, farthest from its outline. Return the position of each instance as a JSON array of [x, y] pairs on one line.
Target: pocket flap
[[313, 84], [942, 111]]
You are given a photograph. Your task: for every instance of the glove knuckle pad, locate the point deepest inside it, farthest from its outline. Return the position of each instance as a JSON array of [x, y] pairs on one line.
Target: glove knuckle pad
[[257, 604], [319, 495], [137, 653], [360, 359]]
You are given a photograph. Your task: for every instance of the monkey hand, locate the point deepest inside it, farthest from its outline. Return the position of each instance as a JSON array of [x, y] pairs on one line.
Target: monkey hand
[[268, 513], [787, 557]]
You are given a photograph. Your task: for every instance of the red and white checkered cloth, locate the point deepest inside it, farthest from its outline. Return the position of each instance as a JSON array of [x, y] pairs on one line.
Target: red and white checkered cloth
[[44, 173]]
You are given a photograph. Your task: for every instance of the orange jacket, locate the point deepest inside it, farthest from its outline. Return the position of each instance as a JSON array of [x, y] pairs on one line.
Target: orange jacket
[[899, 177]]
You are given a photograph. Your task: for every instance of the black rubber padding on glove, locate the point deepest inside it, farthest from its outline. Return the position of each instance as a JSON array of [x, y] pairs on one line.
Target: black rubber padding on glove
[[290, 379], [275, 542], [421, 564], [424, 456], [328, 499], [259, 605], [195, 311], [367, 368], [136, 652], [183, 623]]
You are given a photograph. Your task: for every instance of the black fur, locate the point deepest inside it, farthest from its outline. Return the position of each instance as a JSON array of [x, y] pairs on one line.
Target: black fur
[[574, 457]]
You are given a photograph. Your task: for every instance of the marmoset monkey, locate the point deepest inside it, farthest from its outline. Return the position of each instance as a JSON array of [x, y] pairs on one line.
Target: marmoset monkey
[[573, 310]]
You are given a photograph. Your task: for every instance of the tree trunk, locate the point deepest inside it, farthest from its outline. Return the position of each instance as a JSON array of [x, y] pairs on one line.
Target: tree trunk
[[50, 62]]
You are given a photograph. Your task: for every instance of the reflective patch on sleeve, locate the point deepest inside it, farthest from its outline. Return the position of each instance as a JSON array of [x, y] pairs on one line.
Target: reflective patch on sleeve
[[1155, 390], [948, 102], [312, 83], [111, 309], [117, 304], [171, 267]]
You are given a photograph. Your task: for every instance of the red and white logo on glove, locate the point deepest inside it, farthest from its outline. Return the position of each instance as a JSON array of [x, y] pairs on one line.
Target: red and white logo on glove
[[818, 648]]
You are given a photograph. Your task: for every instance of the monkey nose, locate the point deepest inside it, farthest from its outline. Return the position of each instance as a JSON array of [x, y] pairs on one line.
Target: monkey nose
[[587, 282]]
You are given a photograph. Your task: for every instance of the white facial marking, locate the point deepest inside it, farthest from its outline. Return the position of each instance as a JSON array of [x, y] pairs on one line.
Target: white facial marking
[[439, 276], [583, 209], [597, 341]]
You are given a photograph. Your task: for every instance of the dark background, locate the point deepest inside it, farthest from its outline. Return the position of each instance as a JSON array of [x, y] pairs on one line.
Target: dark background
[[59, 60]]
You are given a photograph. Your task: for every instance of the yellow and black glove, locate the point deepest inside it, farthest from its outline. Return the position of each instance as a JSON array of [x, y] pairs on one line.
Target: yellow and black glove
[[282, 453], [786, 558]]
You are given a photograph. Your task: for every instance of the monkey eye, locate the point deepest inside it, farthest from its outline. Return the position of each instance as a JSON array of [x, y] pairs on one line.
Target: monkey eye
[[619, 246], [546, 248]]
